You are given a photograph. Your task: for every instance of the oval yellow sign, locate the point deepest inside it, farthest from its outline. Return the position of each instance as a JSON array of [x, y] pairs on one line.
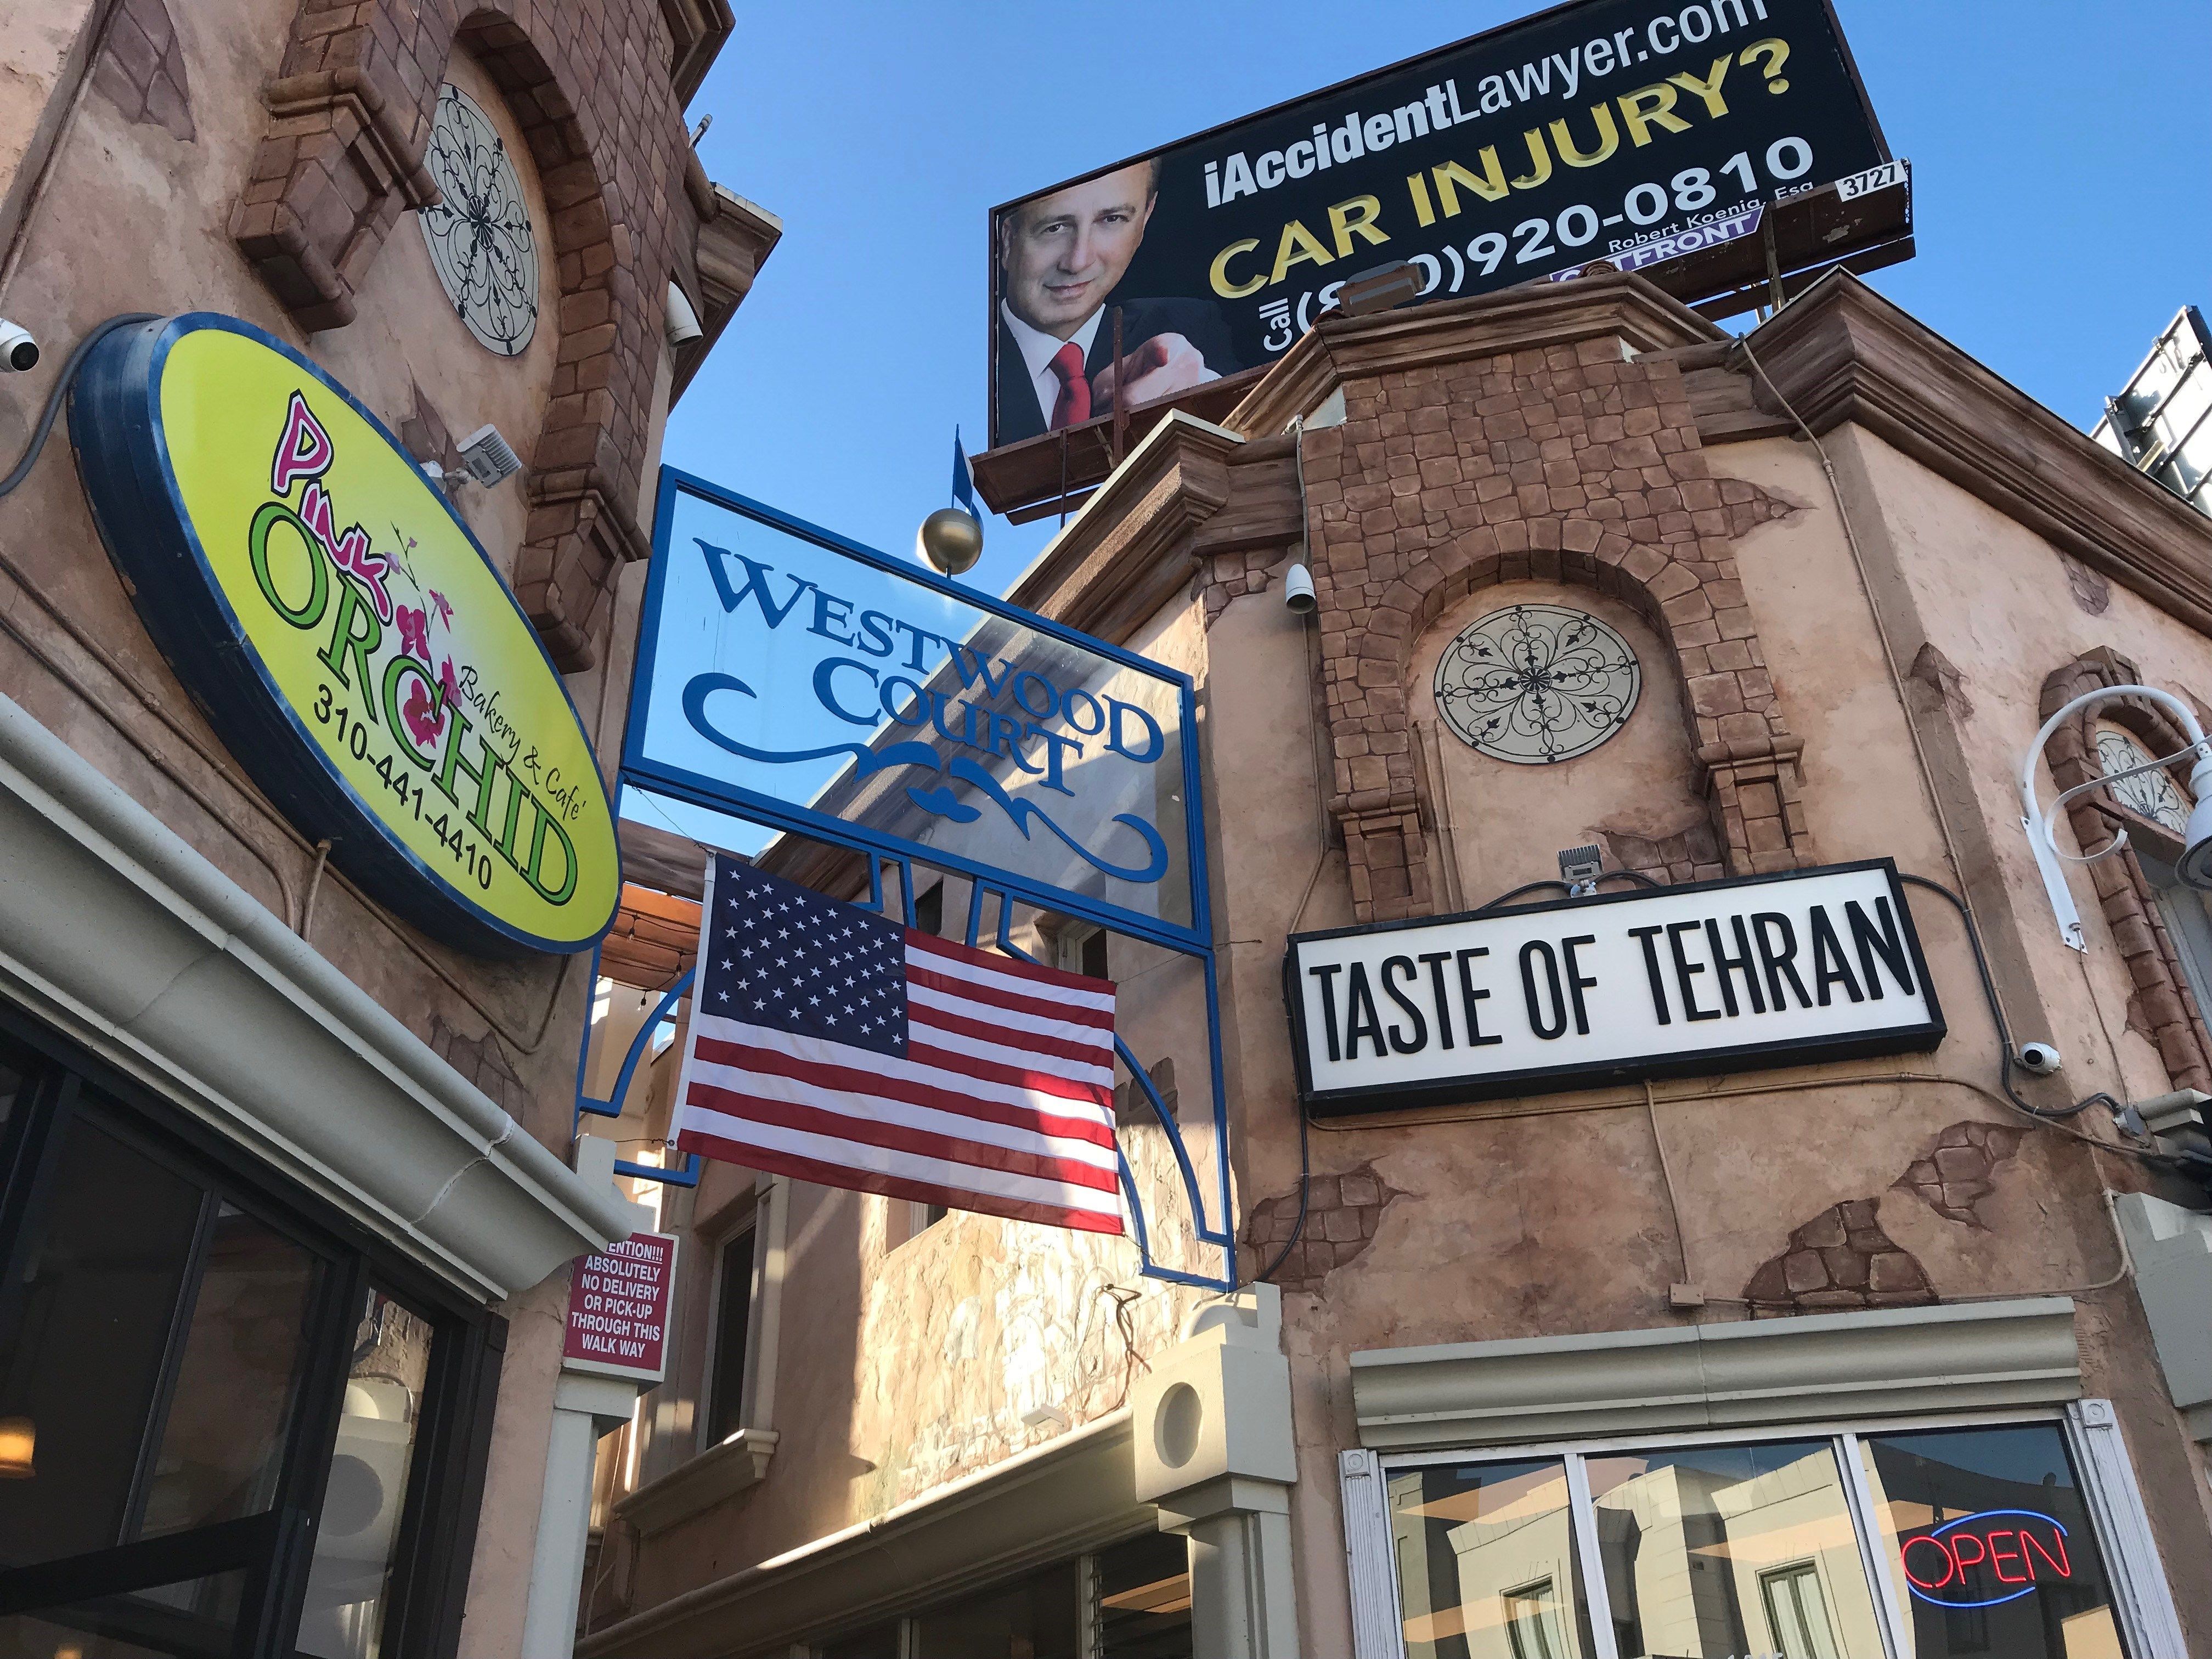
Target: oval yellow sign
[[346, 634]]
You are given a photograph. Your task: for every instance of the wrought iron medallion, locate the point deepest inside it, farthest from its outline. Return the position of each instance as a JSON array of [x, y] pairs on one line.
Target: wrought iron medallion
[[1535, 684], [2152, 795], [479, 236]]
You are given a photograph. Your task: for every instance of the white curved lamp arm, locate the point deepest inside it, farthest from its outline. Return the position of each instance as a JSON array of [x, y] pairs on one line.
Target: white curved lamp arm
[[2048, 859]]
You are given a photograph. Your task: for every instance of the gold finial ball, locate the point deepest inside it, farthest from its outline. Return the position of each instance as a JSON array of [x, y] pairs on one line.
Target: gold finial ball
[[950, 540]]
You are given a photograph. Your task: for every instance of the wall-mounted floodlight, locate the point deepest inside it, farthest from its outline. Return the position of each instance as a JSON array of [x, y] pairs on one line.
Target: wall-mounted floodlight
[[2195, 867]]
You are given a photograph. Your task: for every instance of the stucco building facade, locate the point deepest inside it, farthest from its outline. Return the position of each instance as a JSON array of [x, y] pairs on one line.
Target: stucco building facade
[[290, 1191], [1723, 1357]]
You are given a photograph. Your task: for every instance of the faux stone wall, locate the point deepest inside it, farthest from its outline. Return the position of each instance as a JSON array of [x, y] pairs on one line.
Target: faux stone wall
[[141, 68], [1342, 1212], [1567, 464], [588, 80], [1845, 1258]]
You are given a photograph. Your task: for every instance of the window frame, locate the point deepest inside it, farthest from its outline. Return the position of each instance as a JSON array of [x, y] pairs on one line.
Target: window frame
[[745, 1224], [2108, 1493], [437, 1528]]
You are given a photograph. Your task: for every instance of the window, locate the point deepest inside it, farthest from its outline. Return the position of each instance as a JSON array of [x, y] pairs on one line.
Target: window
[[1711, 1551], [2154, 795], [1143, 1591], [1129, 1601], [1796, 1612], [1987, 1539], [1034, 1616], [1481, 1548], [217, 1414], [1532, 1622], [733, 1323], [1080, 948], [2188, 919]]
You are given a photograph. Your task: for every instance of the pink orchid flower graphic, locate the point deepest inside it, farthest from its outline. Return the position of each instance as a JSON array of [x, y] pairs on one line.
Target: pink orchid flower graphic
[[425, 715], [415, 632]]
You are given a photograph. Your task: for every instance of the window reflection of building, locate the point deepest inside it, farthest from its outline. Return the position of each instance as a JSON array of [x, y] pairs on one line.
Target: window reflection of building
[[1689, 1538], [1714, 1551]]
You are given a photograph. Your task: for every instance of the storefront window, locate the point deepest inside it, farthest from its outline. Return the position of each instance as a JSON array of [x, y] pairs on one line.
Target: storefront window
[[1715, 1551], [1144, 1598], [1772, 1548], [197, 1379], [81, 1356], [1033, 1618], [1987, 1537], [366, 1490], [1486, 1562]]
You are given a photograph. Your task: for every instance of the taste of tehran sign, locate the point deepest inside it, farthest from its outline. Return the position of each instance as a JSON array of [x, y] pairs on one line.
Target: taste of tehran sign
[[345, 634], [1678, 981]]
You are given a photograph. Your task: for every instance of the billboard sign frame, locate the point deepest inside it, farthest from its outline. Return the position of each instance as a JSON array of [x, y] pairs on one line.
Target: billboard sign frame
[[1306, 234]]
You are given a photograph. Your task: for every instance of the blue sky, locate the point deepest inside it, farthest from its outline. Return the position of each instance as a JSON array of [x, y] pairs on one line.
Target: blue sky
[[2055, 149]]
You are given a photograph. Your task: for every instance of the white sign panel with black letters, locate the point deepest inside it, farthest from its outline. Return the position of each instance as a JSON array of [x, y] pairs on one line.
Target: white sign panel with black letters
[[1711, 977]]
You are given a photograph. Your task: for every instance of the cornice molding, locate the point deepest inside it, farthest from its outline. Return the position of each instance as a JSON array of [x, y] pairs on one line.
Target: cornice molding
[[132, 945], [1841, 353], [1111, 566], [1895, 1362], [1526, 319]]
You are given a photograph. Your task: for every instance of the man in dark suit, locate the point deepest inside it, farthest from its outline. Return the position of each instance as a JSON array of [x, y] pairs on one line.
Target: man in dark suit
[[1059, 256]]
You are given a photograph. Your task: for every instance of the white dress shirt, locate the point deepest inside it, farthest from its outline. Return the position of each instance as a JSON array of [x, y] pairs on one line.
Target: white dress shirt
[[1038, 349]]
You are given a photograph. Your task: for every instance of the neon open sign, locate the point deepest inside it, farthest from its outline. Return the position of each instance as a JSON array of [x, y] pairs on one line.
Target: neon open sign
[[1984, 1560]]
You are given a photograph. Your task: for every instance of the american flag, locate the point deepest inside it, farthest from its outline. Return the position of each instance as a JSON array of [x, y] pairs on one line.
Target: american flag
[[833, 1045]]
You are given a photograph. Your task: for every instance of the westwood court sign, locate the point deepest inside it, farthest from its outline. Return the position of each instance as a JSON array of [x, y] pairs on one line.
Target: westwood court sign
[[1714, 976]]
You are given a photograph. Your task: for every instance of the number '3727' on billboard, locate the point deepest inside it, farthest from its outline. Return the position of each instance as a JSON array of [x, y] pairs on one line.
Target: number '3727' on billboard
[[1590, 131]]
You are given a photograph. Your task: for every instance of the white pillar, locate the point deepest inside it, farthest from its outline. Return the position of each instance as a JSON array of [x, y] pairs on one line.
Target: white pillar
[[584, 1409], [1215, 1451]]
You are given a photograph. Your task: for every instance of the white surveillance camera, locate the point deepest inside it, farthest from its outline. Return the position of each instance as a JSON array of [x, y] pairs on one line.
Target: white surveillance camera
[[2038, 1059], [1298, 588], [18, 351]]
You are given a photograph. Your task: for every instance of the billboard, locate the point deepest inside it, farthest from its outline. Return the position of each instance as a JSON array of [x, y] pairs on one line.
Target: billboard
[[2162, 425], [1629, 131]]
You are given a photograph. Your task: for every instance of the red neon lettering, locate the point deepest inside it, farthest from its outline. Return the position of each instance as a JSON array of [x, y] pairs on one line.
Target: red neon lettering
[[1959, 1543], [304, 452], [1998, 1557], [1950, 1567], [2065, 1567]]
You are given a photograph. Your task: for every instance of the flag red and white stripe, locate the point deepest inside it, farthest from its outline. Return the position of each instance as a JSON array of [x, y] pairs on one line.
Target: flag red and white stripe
[[937, 1072]]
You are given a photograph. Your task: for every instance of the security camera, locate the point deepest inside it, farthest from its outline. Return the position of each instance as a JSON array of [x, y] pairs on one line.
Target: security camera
[[2038, 1059], [1298, 588], [18, 351]]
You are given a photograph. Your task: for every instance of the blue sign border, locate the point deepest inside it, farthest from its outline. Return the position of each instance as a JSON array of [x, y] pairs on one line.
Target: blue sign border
[[700, 790], [122, 448]]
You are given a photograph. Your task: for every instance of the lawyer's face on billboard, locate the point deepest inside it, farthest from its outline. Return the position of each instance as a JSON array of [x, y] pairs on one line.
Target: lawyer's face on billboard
[[1060, 254]]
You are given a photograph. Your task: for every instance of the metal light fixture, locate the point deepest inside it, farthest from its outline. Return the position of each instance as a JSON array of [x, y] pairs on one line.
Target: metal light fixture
[[19, 1440], [2195, 865]]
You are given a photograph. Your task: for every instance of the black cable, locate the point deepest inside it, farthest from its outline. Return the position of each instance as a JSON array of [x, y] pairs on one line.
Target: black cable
[[1306, 1161], [1996, 1014], [76, 361], [1305, 1190], [1564, 887]]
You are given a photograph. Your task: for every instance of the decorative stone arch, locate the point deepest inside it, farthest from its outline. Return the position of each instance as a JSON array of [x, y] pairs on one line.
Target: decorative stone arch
[[350, 118], [2162, 1006], [1571, 463]]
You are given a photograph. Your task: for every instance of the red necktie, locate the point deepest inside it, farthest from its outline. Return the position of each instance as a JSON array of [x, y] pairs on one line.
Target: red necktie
[[1074, 404]]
